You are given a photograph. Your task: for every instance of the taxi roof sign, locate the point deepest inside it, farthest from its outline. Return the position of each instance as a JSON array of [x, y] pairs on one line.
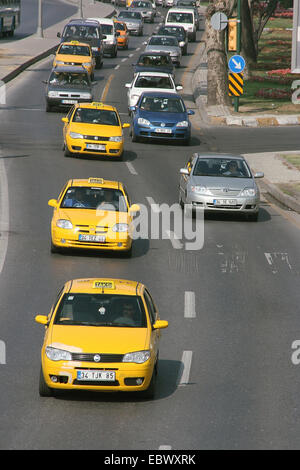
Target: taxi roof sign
[[103, 285], [75, 42], [96, 180]]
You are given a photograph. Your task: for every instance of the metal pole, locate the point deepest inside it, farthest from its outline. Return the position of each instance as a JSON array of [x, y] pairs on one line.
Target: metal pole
[[238, 47], [80, 9], [39, 31]]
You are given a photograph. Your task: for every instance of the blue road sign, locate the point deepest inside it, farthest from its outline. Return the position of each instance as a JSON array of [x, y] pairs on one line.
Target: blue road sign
[[236, 63]]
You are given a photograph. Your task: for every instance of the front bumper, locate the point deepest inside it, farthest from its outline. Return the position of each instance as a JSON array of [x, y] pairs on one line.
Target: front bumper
[[109, 48], [126, 375], [66, 102], [247, 205], [63, 238], [152, 132], [80, 146]]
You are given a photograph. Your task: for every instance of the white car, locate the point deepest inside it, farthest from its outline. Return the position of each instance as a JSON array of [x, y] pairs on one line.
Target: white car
[[150, 81], [110, 43], [185, 18]]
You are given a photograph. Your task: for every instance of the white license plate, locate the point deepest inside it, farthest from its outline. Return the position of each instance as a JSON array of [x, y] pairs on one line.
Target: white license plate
[[224, 202], [163, 130], [91, 238], [97, 375], [95, 147], [69, 101]]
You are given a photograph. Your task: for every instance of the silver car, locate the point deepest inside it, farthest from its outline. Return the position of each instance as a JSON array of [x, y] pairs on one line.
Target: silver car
[[220, 182], [165, 44], [133, 20], [145, 8]]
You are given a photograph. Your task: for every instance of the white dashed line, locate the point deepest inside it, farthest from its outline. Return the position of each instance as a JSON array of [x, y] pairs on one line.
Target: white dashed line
[[130, 55], [186, 361], [131, 168], [176, 243], [124, 60], [138, 49], [154, 207], [189, 305], [165, 447], [117, 66]]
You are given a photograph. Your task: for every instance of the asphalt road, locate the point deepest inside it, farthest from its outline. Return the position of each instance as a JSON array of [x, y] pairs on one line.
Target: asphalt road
[[241, 389]]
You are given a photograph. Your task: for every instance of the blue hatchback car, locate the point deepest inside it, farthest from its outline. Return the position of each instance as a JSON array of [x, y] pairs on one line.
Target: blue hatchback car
[[161, 116]]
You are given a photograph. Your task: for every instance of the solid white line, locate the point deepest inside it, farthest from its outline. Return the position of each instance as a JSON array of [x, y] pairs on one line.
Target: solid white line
[[4, 213], [176, 243], [131, 168], [165, 447], [186, 361], [154, 207], [130, 55], [124, 60], [189, 305]]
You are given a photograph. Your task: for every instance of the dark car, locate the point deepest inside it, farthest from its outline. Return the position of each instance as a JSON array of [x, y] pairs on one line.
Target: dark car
[[67, 86], [151, 61], [178, 32], [88, 31]]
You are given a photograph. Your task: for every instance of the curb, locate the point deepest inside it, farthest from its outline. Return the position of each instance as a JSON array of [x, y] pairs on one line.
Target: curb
[[288, 201]]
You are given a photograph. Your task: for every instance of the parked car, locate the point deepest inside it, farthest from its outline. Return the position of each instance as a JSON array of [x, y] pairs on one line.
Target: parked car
[[161, 116], [133, 20], [165, 44], [67, 86]]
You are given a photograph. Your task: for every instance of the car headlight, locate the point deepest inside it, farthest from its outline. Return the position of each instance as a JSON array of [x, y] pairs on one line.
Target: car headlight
[[117, 138], [143, 122], [174, 54], [95, 49], [86, 96], [53, 94], [182, 124], [109, 42], [63, 223], [75, 135], [87, 64], [248, 192], [58, 354], [138, 357], [181, 44], [120, 228], [59, 62], [200, 190]]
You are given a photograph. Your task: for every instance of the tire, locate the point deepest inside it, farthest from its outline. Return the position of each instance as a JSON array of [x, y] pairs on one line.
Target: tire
[[48, 108], [134, 138], [99, 63], [54, 249], [141, 33], [67, 153], [150, 391], [44, 390], [128, 253]]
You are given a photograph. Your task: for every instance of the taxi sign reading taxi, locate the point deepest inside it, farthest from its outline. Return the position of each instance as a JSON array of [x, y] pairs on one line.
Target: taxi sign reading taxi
[[236, 64], [103, 285]]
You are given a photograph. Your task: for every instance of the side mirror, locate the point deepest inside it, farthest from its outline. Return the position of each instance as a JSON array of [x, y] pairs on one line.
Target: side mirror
[[52, 203], [132, 108], [179, 87], [184, 171], [145, 43], [134, 208], [65, 119], [42, 319], [125, 125], [259, 174], [160, 324], [127, 85], [58, 35], [191, 112], [45, 81]]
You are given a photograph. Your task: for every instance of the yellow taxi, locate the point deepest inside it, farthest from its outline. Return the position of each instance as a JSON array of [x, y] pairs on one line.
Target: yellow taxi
[[122, 34], [93, 129], [75, 53], [93, 214], [101, 335]]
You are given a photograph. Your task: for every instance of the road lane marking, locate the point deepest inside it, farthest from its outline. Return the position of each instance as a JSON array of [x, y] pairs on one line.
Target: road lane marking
[[175, 240], [189, 305], [165, 447], [117, 67], [154, 207], [124, 60], [186, 363], [131, 168], [106, 88], [4, 213], [130, 55]]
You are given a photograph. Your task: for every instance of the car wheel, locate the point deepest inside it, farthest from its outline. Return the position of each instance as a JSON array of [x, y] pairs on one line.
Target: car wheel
[[48, 108], [67, 153], [150, 391], [134, 138], [185, 51], [99, 63], [187, 141], [44, 390], [141, 33], [54, 249]]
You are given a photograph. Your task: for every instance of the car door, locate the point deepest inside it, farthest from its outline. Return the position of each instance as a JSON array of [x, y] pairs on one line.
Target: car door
[[153, 314], [67, 124]]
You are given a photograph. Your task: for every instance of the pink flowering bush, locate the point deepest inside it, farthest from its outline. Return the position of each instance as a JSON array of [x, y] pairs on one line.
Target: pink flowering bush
[[273, 93]]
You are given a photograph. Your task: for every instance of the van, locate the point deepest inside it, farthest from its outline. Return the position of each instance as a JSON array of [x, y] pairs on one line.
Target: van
[[110, 42], [86, 31], [185, 18]]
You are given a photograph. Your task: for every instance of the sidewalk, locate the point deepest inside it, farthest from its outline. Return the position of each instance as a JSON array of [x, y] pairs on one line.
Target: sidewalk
[[18, 55], [278, 174]]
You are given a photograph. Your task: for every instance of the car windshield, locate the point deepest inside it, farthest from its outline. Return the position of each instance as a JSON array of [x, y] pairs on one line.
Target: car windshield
[[120, 27], [173, 31], [130, 14], [222, 167], [68, 49], [153, 60], [163, 41], [180, 17], [101, 199], [186, 3], [160, 104], [68, 78], [107, 29], [153, 82], [110, 310], [87, 32], [96, 116], [141, 5]]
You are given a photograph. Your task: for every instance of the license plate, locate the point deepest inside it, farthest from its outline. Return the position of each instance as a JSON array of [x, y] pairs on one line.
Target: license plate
[[95, 147], [97, 375], [224, 202], [91, 238], [69, 101], [163, 130]]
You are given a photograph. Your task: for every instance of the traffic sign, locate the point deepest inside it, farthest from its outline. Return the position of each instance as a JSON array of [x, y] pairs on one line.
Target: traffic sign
[[235, 84], [219, 21], [236, 64]]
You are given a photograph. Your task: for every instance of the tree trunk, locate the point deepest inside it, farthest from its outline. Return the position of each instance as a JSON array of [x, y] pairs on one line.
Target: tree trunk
[[249, 51]]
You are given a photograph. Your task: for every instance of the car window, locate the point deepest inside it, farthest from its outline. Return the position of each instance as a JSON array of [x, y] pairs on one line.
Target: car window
[[153, 82], [150, 306], [154, 60], [107, 29], [68, 78], [163, 41], [221, 167], [96, 116], [81, 31], [109, 310], [157, 104], [120, 27], [141, 5], [68, 49], [180, 17], [102, 199]]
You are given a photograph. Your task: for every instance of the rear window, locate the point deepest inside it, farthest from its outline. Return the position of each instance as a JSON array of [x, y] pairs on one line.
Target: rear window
[[180, 17], [163, 41], [154, 60], [153, 82]]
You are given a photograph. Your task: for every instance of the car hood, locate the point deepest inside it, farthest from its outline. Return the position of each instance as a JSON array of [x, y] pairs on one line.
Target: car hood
[[162, 116], [162, 48], [222, 182], [99, 339], [93, 217], [95, 129], [131, 20], [70, 89]]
